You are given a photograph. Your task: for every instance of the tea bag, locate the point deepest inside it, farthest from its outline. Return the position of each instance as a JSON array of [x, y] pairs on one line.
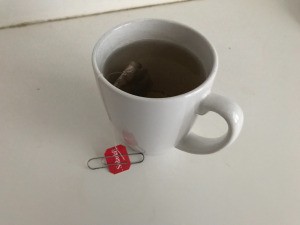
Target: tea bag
[[134, 80]]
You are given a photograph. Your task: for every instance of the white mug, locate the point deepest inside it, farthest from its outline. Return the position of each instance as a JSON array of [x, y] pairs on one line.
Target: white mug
[[156, 125]]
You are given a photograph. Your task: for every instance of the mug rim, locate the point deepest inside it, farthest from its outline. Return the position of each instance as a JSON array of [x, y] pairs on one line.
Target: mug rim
[[100, 75]]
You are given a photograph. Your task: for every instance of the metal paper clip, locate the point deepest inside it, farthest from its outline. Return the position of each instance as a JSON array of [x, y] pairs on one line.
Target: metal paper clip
[[105, 165]]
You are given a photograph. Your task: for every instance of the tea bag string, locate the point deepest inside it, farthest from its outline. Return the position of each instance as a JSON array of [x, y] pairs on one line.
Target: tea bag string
[[114, 135]]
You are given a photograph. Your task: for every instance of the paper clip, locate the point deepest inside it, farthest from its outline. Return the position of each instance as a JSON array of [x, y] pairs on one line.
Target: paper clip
[[105, 165]]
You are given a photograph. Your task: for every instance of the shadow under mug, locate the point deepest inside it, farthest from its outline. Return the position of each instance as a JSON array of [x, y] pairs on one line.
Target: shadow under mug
[[157, 125]]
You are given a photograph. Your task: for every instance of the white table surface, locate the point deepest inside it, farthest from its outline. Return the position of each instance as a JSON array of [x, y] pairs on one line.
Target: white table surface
[[52, 121], [14, 12]]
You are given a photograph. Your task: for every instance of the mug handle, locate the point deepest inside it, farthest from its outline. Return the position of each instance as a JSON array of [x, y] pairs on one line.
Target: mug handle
[[233, 115]]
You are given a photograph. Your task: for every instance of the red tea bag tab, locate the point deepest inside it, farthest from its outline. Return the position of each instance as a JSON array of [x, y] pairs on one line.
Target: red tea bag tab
[[117, 159]]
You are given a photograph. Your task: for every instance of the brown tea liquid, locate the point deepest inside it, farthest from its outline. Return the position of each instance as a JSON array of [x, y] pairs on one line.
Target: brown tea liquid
[[173, 69]]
